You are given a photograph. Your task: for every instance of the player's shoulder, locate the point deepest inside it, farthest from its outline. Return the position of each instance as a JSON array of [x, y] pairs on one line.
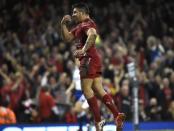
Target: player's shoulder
[[88, 22]]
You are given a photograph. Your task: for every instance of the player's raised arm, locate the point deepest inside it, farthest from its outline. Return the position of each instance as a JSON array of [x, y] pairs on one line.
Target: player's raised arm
[[65, 33], [92, 34]]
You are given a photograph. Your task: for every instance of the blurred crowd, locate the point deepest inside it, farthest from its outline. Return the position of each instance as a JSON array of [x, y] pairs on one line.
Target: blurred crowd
[[36, 66]]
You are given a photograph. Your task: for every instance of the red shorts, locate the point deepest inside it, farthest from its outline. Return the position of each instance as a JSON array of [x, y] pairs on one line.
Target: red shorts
[[90, 67]]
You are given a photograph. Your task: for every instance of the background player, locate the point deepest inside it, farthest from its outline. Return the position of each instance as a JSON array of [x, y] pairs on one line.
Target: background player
[[81, 106], [84, 33]]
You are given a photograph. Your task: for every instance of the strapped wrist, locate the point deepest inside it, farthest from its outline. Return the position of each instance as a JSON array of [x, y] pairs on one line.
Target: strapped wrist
[[63, 23], [84, 50]]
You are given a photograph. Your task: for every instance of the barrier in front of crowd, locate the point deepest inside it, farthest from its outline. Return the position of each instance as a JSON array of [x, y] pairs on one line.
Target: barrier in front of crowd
[[145, 126]]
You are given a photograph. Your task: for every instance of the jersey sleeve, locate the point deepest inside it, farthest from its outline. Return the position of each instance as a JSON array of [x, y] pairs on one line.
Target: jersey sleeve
[[86, 26], [73, 30]]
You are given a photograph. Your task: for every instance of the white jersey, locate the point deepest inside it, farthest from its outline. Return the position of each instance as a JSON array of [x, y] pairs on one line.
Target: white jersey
[[76, 78]]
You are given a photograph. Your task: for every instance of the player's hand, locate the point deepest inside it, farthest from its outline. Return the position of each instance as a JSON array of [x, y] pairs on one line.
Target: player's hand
[[65, 19], [79, 53]]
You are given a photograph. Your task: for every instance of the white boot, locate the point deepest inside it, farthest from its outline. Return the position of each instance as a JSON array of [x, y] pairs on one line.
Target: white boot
[[99, 125]]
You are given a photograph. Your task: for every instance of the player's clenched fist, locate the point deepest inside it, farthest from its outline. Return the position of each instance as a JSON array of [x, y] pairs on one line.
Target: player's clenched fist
[[65, 19]]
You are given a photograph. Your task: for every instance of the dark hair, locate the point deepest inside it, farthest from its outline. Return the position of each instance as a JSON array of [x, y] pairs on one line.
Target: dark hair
[[45, 87], [82, 6]]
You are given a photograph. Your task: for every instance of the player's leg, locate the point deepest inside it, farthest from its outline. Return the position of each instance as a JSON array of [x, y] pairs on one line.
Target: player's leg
[[108, 101], [92, 101], [106, 98], [81, 105], [87, 73], [78, 107]]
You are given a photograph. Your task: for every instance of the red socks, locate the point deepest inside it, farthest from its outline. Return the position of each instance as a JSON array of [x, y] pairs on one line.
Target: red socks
[[94, 108], [108, 101]]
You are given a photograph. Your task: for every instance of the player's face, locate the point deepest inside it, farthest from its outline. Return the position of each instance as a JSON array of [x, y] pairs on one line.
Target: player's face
[[77, 15]]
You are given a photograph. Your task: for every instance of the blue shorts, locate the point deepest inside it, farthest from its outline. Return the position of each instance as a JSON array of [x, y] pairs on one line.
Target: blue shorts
[[78, 94]]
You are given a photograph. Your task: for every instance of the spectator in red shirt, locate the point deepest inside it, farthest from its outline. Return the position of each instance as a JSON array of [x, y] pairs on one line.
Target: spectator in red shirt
[[13, 90], [47, 105], [71, 117]]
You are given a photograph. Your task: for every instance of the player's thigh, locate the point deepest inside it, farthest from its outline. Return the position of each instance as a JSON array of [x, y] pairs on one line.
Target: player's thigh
[[78, 107], [98, 87], [87, 87]]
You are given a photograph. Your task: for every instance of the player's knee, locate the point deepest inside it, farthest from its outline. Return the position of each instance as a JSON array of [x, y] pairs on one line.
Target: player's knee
[[88, 94]]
